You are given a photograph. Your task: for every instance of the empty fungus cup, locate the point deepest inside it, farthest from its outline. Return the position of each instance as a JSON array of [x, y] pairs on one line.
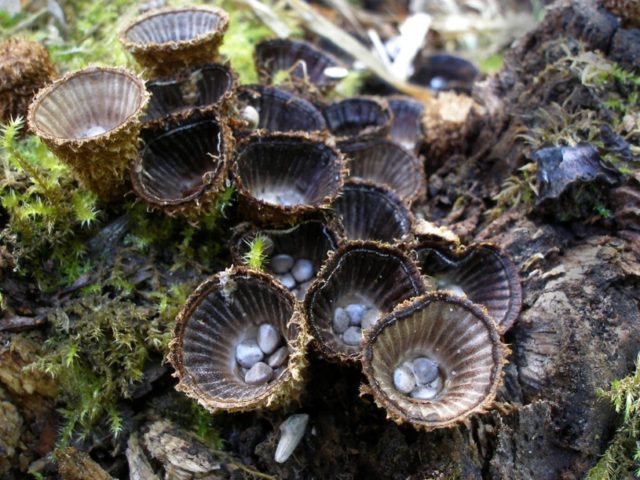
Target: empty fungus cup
[[280, 177], [373, 212], [446, 72], [90, 119], [183, 165], [358, 118], [170, 39], [202, 88], [235, 322], [385, 163], [481, 272], [406, 128], [302, 60], [360, 282], [433, 362], [276, 110]]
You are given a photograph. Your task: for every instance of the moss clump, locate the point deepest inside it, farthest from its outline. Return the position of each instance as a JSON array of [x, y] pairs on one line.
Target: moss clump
[[48, 214], [622, 457], [97, 352]]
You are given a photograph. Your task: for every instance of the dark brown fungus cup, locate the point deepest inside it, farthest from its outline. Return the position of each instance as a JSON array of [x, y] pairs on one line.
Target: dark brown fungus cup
[[385, 163], [206, 87], [293, 255], [276, 110], [360, 282], [481, 272], [302, 60], [457, 342], [183, 165], [373, 212], [406, 129], [170, 39], [222, 313], [358, 118], [446, 72], [25, 67], [281, 176], [91, 120]]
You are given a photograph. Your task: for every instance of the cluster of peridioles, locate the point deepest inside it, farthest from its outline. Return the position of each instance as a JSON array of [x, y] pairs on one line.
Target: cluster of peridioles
[[330, 187]]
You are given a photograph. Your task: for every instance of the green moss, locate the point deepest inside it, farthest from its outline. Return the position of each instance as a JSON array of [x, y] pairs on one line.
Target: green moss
[[97, 352], [48, 213], [622, 457]]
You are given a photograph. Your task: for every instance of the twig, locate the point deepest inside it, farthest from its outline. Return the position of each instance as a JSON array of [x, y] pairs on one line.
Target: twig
[[341, 39]]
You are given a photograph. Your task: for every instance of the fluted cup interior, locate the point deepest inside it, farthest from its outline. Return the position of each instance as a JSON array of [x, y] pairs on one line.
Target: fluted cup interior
[[88, 104], [288, 170], [227, 312], [173, 26], [458, 336], [177, 164]]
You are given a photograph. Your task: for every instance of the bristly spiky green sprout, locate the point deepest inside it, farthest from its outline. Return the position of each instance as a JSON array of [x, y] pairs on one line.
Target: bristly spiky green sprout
[[258, 251], [622, 457]]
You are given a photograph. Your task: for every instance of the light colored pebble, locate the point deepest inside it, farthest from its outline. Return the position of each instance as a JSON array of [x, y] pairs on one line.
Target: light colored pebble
[[259, 374], [248, 353], [340, 320], [424, 393], [437, 83], [403, 379], [278, 357], [356, 312], [302, 270], [292, 431], [281, 263], [352, 336], [268, 338], [250, 115], [287, 280], [425, 370], [370, 318], [336, 72]]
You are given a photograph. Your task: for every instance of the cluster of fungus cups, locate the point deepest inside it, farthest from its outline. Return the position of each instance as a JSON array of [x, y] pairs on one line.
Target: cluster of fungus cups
[[328, 189]]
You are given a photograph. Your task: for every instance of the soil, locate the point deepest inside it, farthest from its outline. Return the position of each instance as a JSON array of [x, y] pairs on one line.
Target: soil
[[579, 328]]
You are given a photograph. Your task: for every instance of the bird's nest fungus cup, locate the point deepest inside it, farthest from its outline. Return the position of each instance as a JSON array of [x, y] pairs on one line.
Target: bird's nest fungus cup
[[360, 282], [304, 63], [386, 163], [434, 361], [406, 128], [183, 165], [240, 343], [167, 40], [25, 67], [481, 272], [201, 88], [358, 118], [373, 212], [281, 176], [276, 110], [294, 255], [91, 120]]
